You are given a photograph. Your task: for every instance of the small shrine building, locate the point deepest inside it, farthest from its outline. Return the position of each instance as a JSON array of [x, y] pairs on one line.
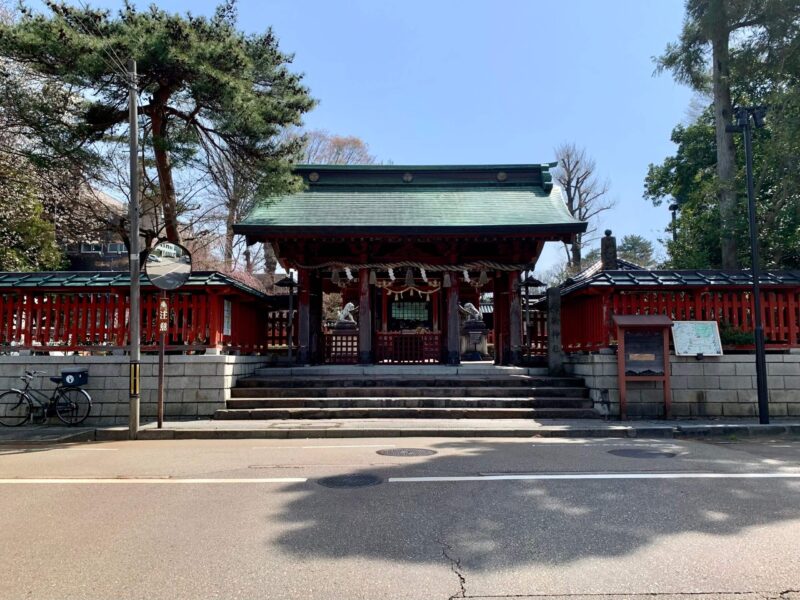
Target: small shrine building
[[410, 247]]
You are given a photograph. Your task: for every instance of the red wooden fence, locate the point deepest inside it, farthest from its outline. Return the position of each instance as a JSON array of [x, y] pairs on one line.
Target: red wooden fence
[[98, 320], [586, 321]]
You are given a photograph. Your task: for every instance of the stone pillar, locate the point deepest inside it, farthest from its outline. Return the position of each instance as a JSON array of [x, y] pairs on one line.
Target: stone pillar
[[514, 320], [555, 353], [453, 323], [303, 316], [364, 319], [608, 252]]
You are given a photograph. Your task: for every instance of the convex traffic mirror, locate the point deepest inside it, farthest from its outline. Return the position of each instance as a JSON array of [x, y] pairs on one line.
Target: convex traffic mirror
[[168, 265]]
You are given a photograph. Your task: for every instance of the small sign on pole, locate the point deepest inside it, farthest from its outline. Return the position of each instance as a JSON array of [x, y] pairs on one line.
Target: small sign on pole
[[163, 315]]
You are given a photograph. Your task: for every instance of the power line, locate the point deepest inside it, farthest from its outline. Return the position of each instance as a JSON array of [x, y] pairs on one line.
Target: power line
[[112, 61]]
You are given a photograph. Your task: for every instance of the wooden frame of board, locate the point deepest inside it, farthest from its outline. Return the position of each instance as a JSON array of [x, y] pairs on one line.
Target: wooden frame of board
[[658, 324]]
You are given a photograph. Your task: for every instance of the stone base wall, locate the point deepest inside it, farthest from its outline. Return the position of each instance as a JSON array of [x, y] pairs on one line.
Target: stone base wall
[[194, 386], [722, 386]]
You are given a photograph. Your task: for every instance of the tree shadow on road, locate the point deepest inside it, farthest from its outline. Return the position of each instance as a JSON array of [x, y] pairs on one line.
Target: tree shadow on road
[[499, 524]]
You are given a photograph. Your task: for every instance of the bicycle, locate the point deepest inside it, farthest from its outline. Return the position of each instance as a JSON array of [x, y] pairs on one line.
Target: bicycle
[[72, 404]]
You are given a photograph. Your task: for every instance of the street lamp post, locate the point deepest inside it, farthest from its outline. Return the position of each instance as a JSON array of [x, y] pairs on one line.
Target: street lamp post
[[743, 126], [674, 207]]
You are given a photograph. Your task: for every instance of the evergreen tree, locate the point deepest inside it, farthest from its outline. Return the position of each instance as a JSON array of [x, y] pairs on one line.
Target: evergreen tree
[[206, 86]]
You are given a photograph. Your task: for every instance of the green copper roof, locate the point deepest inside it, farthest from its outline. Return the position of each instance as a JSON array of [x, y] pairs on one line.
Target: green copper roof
[[418, 199]]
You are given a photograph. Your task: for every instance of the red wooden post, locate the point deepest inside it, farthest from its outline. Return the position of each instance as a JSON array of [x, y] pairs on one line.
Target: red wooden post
[[214, 323], [92, 315], [28, 319], [304, 316], [364, 319], [122, 318], [36, 332], [780, 316], [453, 323], [793, 341], [435, 300], [385, 312], [514, 319]]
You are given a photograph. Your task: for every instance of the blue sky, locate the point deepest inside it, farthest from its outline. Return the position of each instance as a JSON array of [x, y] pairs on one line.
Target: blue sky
[[489, 81]]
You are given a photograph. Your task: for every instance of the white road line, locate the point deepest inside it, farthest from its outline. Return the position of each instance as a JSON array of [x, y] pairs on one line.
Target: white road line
[[584, 476], [149, 480], [319, 447]]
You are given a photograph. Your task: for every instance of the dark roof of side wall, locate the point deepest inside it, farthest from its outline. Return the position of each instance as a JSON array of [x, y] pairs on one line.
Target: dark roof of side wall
[[97, 279], [678, 279], [416, 199]]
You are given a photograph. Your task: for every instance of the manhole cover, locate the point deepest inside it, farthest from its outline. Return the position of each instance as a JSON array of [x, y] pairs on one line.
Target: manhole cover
[[639, 453], [406, 452], [349, 481]]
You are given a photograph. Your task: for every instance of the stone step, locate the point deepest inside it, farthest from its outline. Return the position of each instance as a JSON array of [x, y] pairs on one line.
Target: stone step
[[402, 392], [480, 369], [524, 381], [421, 402], [405, 413]]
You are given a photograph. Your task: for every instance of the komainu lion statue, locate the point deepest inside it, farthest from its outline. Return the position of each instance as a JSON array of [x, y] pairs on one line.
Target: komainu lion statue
[[473, 314], [345, 315]]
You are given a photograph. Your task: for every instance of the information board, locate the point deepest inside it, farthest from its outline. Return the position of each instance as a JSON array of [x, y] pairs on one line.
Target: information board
[[696, 337], [644, 352]]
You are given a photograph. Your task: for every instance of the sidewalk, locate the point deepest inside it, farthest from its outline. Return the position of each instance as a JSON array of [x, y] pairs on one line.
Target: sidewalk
[[46, 434]]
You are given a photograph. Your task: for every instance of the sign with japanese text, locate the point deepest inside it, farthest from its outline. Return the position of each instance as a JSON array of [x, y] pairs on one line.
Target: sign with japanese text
[[163, 316]]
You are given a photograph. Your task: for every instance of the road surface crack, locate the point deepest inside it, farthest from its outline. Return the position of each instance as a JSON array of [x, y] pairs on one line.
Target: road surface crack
[[455, 566]]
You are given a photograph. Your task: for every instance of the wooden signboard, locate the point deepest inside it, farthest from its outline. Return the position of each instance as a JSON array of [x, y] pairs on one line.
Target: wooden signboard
[[642, 355], [693, 338]]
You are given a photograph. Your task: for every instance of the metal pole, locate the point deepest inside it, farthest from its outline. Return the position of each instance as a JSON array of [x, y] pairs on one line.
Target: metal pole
[[162, 343], [133, 205], [761, 362]]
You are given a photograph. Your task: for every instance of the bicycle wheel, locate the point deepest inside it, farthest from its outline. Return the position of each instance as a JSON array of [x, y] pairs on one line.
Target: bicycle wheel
[[73, 405], [15, 409]]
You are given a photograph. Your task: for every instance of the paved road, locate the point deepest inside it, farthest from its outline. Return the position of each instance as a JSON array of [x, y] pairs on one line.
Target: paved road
[[550, 518]]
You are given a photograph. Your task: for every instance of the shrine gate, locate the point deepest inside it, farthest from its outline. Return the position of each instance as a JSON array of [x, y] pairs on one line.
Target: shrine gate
[[409, 246]]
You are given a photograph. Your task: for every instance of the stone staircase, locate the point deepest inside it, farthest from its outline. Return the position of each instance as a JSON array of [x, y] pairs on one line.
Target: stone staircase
[[402, 392]]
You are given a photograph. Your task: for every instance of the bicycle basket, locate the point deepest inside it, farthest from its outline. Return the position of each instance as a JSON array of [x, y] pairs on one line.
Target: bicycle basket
[[75, 377]]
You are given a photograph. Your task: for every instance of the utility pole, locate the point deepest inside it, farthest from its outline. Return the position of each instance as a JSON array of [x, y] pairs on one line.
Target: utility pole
[[743, 126], [133, 206]]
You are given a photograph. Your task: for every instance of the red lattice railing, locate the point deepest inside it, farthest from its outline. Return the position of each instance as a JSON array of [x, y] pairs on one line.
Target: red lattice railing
[[408, 348], [341, 348]]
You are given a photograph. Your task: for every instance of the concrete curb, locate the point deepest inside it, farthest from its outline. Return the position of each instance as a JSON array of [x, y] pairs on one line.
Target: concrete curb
[[665, 431]]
